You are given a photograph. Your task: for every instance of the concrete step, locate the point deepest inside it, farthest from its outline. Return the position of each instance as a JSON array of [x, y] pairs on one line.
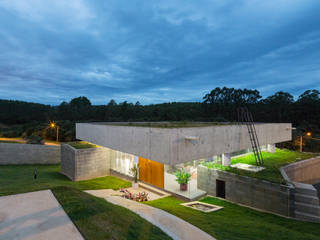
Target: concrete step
[[307, 208], [307, 217], [303, 198], [307, 191]]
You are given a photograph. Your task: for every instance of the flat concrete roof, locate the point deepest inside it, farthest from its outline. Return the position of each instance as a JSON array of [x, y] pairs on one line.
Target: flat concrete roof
[[173, 145], [168, 124]]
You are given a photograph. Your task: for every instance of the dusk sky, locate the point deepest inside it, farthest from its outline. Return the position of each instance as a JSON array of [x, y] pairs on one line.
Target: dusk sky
[[156, 51]]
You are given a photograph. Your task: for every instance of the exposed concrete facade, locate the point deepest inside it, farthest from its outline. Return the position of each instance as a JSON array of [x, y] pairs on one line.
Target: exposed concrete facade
[[15, 153], [84, 164], [300, 175], [306, 171], [178, 145], [251, 192]]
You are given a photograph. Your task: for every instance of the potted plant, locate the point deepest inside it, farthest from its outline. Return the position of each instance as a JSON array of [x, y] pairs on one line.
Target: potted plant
[[183, 178], [135, 171]]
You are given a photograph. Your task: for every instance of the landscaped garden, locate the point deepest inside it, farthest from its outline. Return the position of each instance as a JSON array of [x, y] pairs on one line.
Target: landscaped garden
[[98, 219], [235, 222], [272, 164]]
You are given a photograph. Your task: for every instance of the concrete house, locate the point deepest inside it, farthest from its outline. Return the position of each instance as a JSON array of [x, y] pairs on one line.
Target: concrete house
[[162, 148]]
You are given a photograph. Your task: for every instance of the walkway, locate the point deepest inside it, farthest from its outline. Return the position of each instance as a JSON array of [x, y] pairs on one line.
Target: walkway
[[35, 216], [175, 227]]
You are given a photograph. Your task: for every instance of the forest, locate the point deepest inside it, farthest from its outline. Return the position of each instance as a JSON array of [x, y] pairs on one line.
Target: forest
[[18, 118]]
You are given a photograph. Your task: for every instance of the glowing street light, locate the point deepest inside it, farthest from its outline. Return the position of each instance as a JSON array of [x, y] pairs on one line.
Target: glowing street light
[[54, 125], [308, 134]]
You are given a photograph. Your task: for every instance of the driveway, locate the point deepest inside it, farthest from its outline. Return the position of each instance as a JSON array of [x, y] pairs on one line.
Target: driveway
[[36, 216]]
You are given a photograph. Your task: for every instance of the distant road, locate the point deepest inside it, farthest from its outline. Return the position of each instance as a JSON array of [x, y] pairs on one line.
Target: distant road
[[21, 140]]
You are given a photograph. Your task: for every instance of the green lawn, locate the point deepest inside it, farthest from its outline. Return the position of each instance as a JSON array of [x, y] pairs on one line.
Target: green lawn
[[19, 179], [272, 164], [98, 219], [234, 222], [82, 145]]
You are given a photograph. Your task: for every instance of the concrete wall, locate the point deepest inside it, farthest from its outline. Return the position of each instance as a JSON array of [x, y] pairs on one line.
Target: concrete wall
[[306, 171], [15, 153], [169, 146], [84, 164], [251, 192]]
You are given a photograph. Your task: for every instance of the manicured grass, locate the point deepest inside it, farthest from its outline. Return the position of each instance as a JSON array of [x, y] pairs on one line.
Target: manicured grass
[[235, 222], [272, 164], [82, 145], [98, 219], [19, 179]]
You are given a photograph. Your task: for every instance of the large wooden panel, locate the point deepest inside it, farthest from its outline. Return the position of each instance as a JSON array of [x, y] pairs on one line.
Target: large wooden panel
[[151, 172], [143, 170]]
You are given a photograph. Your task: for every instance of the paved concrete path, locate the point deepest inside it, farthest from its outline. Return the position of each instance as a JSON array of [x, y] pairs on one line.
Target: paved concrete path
[[175, 227], [36, 216]]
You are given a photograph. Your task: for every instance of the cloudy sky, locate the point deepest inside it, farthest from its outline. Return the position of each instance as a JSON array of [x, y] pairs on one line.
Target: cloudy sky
[[156, 51]]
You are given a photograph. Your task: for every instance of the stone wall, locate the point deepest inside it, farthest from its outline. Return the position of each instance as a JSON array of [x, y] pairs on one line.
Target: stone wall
[[84, 164], [15, 153], [306, 171], [248, 191]]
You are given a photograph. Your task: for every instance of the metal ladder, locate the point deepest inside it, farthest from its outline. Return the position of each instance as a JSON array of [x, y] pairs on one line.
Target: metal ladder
[[245, 117]]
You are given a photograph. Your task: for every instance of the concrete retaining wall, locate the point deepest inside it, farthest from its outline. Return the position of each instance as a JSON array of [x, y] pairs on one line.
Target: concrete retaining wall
[[306, 171], [84, 164], [170, 146], [251, 192], [15, 153]]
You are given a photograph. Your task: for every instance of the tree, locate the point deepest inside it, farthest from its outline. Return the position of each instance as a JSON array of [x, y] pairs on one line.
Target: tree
[[278, 106], [81, 108]]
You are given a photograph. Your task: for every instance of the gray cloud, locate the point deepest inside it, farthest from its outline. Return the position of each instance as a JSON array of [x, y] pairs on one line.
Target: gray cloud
[[156, 51]]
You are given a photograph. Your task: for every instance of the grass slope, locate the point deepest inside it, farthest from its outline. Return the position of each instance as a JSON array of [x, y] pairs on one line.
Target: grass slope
[[272, 163], [235, 222], [98, 219], [19, 179]]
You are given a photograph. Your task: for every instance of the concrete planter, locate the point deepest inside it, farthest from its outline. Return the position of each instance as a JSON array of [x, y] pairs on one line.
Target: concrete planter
[[84, 164]]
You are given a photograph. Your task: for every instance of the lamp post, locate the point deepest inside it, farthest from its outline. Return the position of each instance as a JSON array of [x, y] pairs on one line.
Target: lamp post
[[54, 125], [308, 134]]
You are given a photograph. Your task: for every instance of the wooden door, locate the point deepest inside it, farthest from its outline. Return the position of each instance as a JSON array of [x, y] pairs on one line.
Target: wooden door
[[151, 172]]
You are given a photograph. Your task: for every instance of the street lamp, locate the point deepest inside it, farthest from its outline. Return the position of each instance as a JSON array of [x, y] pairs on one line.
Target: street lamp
[[54, 125], [308, 134]]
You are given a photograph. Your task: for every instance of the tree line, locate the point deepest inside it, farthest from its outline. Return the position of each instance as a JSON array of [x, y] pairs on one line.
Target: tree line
[[220, 104]]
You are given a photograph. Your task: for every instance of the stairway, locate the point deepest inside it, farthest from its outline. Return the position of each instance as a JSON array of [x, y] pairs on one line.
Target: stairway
[[307, 206]]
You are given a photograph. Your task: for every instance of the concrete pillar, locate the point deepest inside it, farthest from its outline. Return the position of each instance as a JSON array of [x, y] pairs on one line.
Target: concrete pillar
[[209, 159], [226, 159], [271, 148]]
